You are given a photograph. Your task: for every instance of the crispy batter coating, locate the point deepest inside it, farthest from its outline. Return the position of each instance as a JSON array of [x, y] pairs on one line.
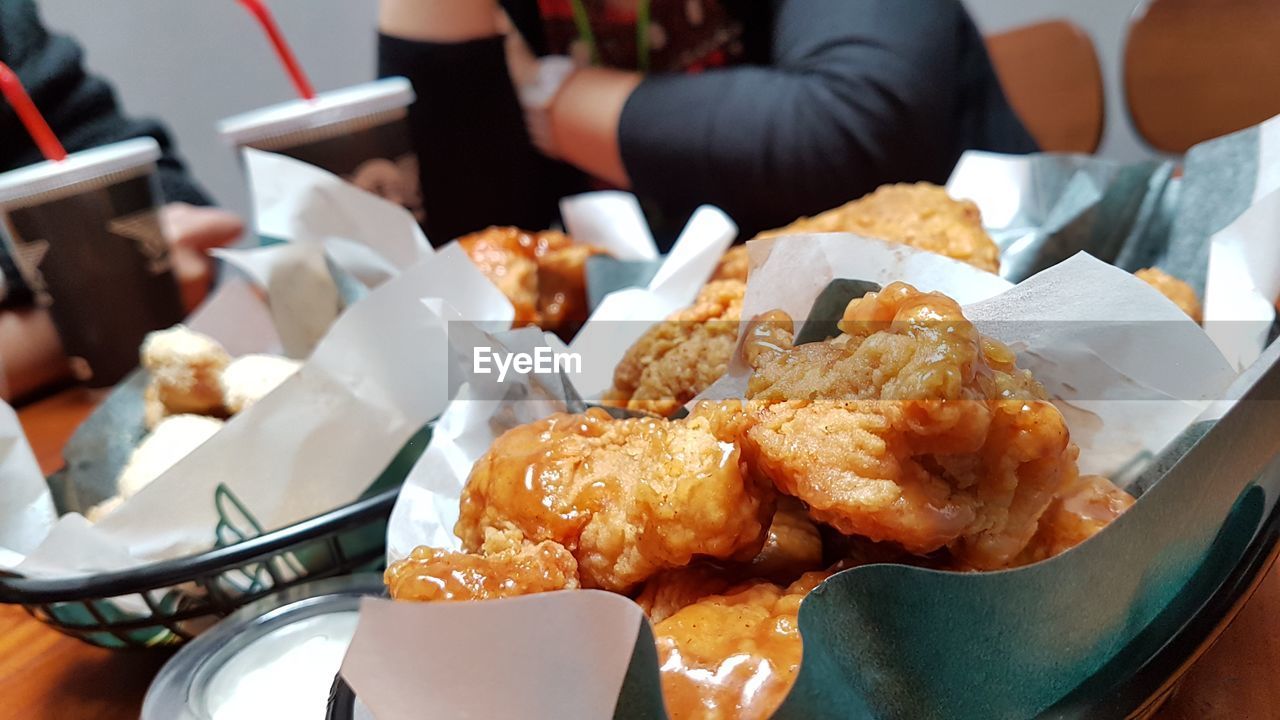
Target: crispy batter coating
[[734, 655], [1178, 292], [682, 355], [920, 215], [733, 265], [669, 592], [506, 566], [1081, 510], [543, 274], [792, 548], [185, 366], [628, 498], [910, 428]]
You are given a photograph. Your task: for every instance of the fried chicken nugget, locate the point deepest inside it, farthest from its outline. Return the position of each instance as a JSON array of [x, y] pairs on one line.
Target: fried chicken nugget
[[910, 428], [921, 215], [506, 566], [628, 498], [1082, 508], [733, 656], [682, 355], [185, 367], [543, 274], [1178, 292]]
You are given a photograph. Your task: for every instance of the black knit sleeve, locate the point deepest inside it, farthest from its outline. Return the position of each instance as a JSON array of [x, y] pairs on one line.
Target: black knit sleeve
[[478, 166], [856, 93]]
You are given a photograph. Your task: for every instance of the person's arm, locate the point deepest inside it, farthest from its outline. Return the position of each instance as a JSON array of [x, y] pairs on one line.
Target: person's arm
[[858, 93]]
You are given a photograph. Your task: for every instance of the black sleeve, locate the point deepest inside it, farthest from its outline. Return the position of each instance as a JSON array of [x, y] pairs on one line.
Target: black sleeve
[[80, 107], [478, 166], [857, 93]]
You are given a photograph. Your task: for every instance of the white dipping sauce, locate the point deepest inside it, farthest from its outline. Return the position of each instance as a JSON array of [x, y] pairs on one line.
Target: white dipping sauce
[[284, 674]]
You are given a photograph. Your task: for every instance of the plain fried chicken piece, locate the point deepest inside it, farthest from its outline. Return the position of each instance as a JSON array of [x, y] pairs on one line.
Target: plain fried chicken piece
[[185, 367], [733, 265], [910, 428], [506, 566], [921, 215], [1178, 292], [682, 355], [1082, 508], [249, 378], [628, 498], [736, 655]]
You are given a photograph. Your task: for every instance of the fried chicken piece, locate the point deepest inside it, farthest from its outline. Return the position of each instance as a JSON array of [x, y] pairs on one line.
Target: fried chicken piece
[[920, 215], [671, 591], [1178, 292], [910, 428], [506, 566], [562, 286], [505, 256], [1082, 508], [682, 355], [543, 274], [733, 656], [792, 548], [628, 498], [185, 366], [734, 265], [249, 378]]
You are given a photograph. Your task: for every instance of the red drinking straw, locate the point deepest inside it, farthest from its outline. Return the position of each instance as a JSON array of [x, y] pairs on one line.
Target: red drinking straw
[[291, 66], [40, 131]]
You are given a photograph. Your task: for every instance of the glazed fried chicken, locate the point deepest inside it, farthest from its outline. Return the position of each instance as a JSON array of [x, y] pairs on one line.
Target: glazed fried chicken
[[628, 498], [920, 215], [1082, 508], [1178, 292], [734, 655], [542, 274], [910, 427], [792, 548], [505, 566], [682, 355]]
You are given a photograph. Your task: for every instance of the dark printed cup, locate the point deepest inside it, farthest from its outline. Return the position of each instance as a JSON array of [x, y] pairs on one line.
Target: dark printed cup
[[86, 239], [359, 133]]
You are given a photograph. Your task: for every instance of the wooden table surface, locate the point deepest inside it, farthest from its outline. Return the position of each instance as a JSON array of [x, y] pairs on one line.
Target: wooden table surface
[[44, 674]]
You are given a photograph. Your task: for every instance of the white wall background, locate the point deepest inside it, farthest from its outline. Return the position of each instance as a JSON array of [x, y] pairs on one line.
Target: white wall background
[[193, 62]]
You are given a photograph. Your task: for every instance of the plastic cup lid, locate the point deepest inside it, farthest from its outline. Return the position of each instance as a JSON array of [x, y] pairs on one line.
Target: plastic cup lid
[[326, 108], [79, 167]]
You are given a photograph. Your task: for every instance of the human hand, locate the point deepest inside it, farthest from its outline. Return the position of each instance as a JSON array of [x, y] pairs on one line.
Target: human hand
[[192, 231]]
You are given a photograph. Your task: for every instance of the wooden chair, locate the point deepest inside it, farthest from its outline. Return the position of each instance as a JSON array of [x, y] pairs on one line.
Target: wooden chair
[[1197, 69], [1051, 75]]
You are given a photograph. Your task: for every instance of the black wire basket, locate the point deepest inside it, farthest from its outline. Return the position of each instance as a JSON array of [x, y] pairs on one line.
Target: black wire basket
[[169, 602]]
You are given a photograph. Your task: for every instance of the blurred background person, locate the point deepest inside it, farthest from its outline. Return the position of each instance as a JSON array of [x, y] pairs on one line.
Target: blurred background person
[[83, 112], [770, 110]]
